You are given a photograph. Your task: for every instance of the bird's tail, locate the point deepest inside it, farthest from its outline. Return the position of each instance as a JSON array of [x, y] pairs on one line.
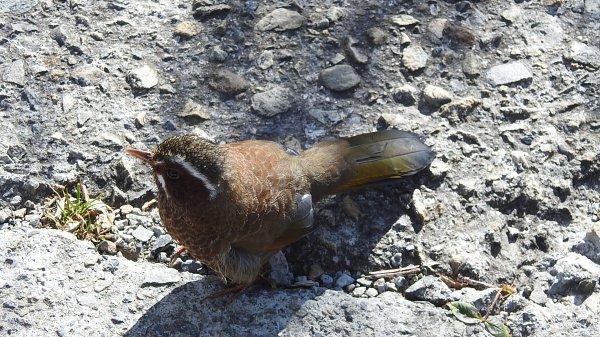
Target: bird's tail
[[367, 159]]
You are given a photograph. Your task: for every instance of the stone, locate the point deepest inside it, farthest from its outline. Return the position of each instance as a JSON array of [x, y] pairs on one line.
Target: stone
[[343, 280], [87, 75], [107, 247], [339, 78], [470, 65], [359, 291], [280, 270], [193, 111], [108, 140], [371, 292], [228, 83], [142, 234], [265, 60], [281, 19], [210, 10], [354, 53], [328, 117], [512, 14], [143, 78], [335, 14], [273, 102], [436, 96], [5, 215], [403, 20], [429, 289], [188, 29], [14, 72], [377, 36], [414, 58], [217, 54], [163, 277], [508, 73], [574, 273], [582, 53], [406, 95], [161, 243], [326, 280]]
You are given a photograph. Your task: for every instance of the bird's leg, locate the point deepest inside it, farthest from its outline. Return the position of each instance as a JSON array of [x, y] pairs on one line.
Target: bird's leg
[[176, 255], [233, 291]]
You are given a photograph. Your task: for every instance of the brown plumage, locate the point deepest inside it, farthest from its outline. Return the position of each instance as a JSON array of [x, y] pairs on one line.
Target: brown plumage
[[234, 205]]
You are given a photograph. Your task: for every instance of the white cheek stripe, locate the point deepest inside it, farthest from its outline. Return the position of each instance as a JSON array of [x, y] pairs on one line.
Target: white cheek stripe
[[212, 189], [161, 182]]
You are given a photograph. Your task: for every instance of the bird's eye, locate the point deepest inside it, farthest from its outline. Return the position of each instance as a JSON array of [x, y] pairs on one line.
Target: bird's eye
[[173, 174]]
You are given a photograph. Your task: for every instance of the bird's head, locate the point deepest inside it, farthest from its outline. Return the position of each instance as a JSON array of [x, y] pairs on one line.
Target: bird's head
[[185, 168]]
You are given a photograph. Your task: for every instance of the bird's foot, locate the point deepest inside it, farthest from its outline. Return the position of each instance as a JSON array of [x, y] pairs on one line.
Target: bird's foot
[[176, 255], [232, 291]]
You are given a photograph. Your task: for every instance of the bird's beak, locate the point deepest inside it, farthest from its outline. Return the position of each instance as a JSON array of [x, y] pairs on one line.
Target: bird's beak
[[145, 156]]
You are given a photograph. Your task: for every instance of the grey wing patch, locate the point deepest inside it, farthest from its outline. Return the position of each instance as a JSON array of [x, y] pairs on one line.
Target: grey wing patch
[[304, 217], [290, 151]]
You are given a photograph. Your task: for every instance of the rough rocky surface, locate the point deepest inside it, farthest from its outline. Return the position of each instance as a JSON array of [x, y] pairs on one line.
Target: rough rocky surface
[[513, 196]]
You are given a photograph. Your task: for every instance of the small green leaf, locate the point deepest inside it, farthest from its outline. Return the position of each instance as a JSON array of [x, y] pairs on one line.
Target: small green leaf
[[497, 329], [465, 312]]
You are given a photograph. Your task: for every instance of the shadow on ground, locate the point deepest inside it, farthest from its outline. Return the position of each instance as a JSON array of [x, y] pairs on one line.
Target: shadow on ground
[[257, 313]]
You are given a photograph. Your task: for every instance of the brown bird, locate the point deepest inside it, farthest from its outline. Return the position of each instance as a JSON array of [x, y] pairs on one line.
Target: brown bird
[[234, 205]]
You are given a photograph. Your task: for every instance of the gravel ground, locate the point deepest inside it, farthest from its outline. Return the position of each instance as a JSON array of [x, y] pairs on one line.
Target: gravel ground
[[505, 92]]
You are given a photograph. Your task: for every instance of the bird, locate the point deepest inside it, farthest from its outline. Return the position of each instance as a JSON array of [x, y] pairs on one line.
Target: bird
[[236, 204]]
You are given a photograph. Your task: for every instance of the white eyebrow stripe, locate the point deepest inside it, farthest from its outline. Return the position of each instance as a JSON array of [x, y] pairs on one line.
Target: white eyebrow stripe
[[212, 189]]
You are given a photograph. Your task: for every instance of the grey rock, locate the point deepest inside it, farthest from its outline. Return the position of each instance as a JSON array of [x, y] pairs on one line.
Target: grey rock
[[508, 73], [191, 266], [210, 10], [414, 58], [429, 289], [228, 83], [161, 243], [355, 54], [14, 72], [582, 53], [359, 291], [194, 112], [5, 215], [107, 247], [343, 280], [335, 14], [265, 60], [217, 54], [161, 277], [436, 96], [377, 36], [136, 220], [365, 282], [339, 78], [108, 140], [17, 7], [403, 20], [188, 29], [371, 292], [471, 65], [326, 280], [406, 95], [328, 117], [142, 234], [87, 75], [143, 78], [273, 102], [279, 20], [574, 273], [280, 271], [512, 14]]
